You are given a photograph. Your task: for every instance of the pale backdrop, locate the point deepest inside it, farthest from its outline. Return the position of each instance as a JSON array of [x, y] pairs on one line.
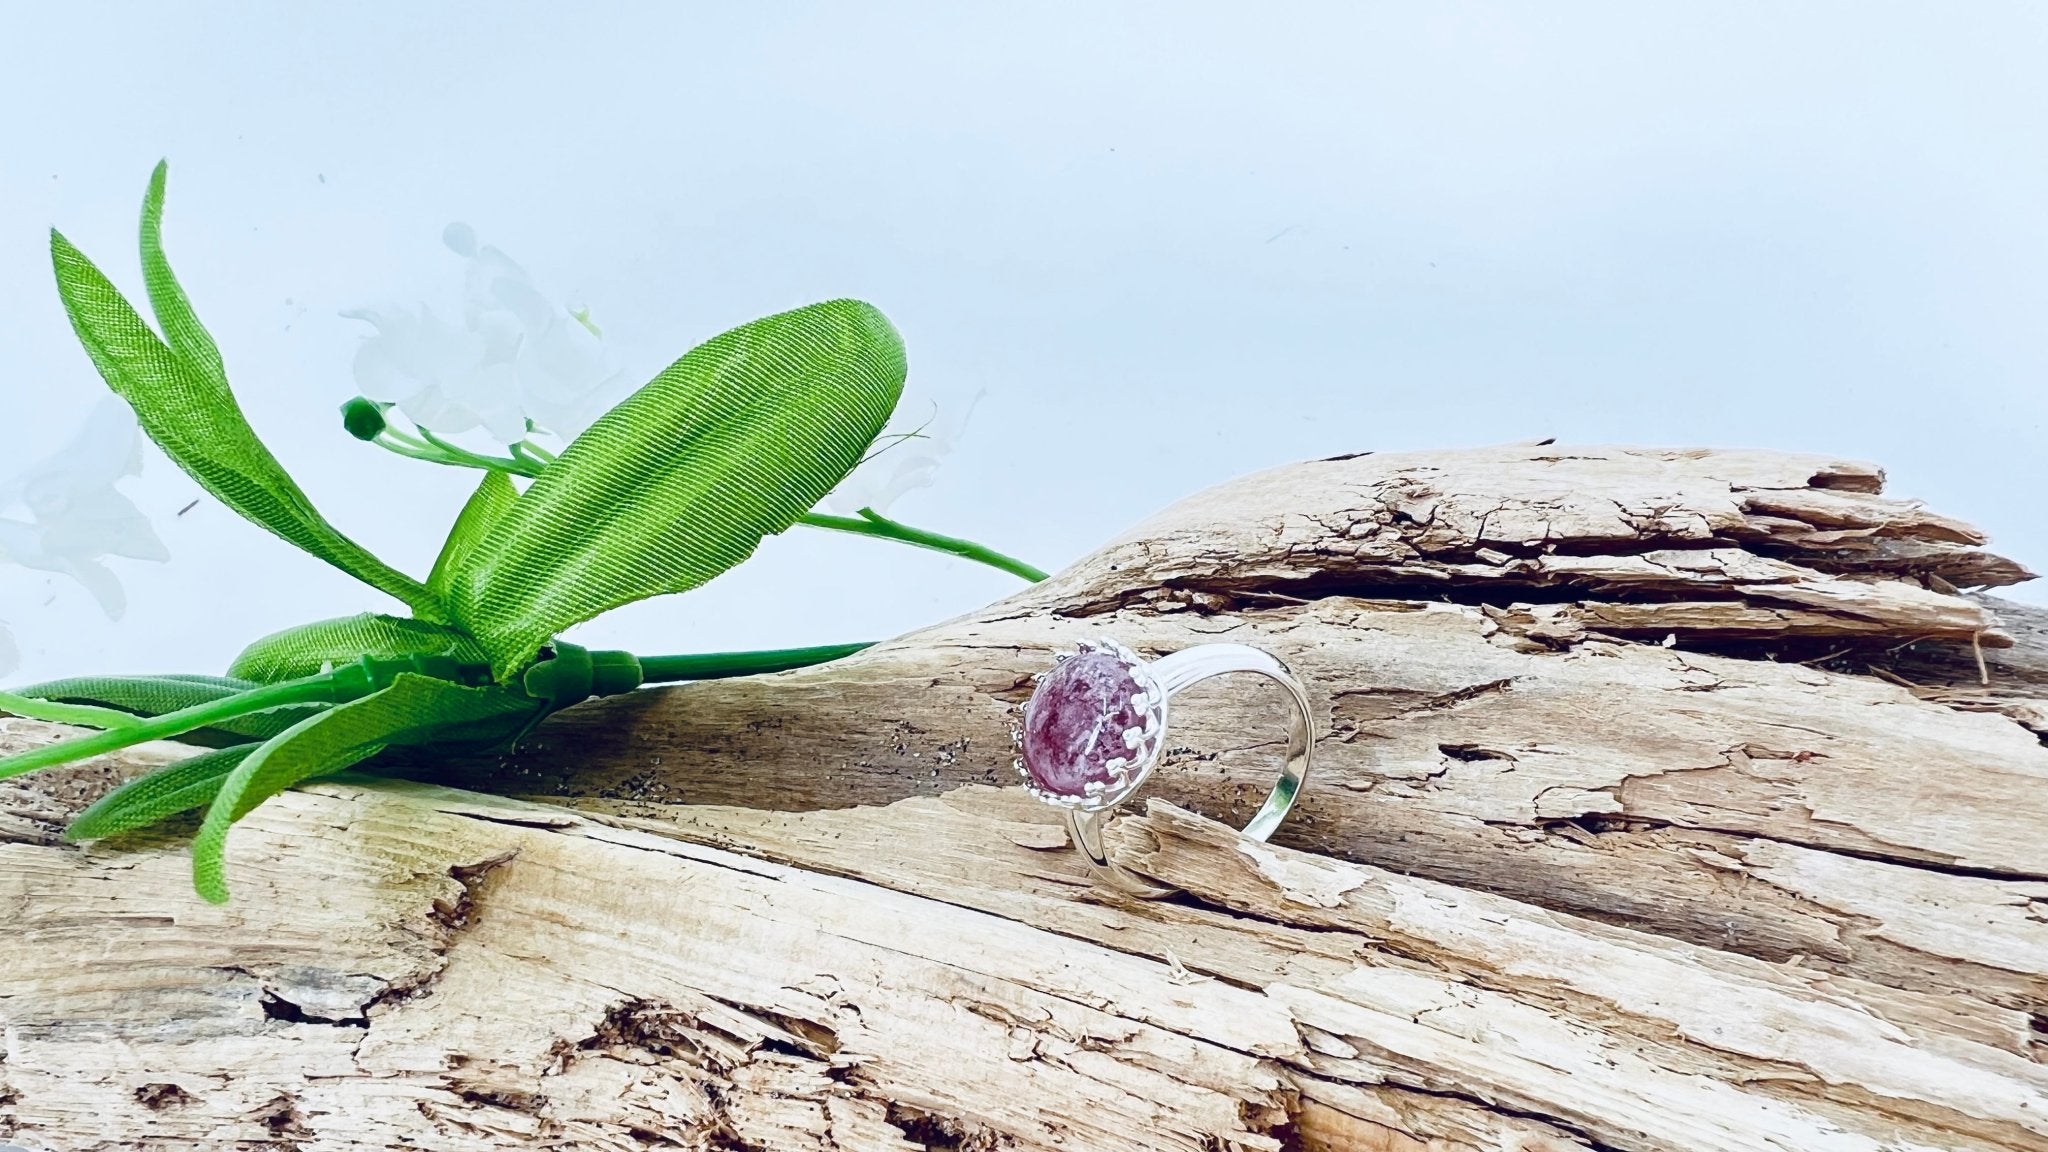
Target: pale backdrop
[[1172, 243]]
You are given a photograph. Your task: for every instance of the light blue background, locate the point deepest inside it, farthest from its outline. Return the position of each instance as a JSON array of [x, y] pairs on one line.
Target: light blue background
[[1174, 242]]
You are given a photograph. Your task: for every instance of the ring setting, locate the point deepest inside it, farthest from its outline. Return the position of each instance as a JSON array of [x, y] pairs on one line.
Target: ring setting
[[1095, 728]]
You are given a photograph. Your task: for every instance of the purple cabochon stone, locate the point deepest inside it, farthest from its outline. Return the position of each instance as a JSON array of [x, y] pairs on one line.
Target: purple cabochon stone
[[1076, 720]]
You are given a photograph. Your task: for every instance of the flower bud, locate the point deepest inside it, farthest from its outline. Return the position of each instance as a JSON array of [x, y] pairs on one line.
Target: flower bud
[[363, 418]]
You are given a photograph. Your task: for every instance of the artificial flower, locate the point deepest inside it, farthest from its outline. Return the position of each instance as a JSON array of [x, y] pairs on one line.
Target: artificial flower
[[63, 514], [513, 358], [906, 458]]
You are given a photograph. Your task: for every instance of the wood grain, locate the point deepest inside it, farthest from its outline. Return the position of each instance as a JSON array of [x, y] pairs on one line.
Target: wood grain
[[1591, 860]]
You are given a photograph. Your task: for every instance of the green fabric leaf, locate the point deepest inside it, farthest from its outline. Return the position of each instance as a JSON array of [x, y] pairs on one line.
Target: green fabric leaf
[[202, 678], [156, 695], [308, 648], [180, 395], [681, 480], [191, 344], [169, 790], [412, 710], [65, 712], [487, 505]]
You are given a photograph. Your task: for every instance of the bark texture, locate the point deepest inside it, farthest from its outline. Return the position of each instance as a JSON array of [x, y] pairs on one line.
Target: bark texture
[[1664, 800]]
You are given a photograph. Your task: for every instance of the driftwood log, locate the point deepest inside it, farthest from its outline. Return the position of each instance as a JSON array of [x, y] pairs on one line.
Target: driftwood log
[[1665, 800]]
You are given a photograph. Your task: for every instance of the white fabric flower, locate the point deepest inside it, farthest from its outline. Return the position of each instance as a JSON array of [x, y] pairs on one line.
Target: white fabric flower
[[63, 514], [513, 356], [906, 457], [10, 656]]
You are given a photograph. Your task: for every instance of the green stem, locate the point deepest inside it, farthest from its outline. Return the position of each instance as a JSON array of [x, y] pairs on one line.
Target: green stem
[[868, 523], [435, 450], [532, 454], [872, 523], [394, 435], [308, 689], [325, 687], [456, 454], [420, 450], [718, 665]]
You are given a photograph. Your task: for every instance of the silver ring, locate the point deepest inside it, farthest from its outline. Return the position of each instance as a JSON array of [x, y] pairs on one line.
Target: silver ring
[[1096, 725]]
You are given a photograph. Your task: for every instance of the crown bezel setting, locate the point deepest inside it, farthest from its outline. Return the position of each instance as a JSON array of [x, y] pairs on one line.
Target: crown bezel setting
[[1142, 742]]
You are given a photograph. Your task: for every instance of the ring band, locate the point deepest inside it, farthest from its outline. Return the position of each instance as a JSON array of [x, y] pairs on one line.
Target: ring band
[[1095, 728]]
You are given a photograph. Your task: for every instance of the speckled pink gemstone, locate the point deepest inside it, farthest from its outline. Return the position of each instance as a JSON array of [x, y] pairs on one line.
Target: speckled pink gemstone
[[1075, 723]]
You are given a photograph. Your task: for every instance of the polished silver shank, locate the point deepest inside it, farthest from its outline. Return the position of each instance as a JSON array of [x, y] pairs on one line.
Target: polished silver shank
[[1182, 670]]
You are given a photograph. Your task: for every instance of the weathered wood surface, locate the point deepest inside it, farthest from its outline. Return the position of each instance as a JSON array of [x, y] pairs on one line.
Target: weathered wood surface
[[1591, 860]]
